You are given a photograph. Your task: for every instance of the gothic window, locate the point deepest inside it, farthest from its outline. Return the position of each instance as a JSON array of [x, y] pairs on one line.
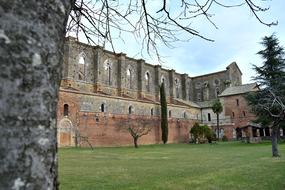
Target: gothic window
[[217, 92], [147, 81], [129, 78], [81, 67], [108, 71], [65, 110], [177, 87], [206, 84], [162, 80]]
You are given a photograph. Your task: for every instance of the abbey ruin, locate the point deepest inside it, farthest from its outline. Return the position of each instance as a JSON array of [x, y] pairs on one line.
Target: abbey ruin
[[100, 88]]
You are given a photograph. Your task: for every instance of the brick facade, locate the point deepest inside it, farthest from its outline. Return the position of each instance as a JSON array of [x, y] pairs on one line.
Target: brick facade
[[100, 88]]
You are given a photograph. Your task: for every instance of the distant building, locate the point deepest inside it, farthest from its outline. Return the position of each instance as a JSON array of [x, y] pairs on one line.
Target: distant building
[[99, 89]]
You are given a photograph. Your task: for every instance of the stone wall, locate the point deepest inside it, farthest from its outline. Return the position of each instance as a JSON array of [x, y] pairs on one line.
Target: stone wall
[[103, 128], [119, 75]]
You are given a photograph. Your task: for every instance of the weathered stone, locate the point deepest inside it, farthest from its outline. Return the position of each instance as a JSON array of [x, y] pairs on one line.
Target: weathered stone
[[31, 51]]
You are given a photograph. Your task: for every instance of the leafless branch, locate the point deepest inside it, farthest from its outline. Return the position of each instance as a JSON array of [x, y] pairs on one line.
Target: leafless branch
[[102, 21]]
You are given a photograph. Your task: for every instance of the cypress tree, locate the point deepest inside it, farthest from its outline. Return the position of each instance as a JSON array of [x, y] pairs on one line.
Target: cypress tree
[[164, 123]]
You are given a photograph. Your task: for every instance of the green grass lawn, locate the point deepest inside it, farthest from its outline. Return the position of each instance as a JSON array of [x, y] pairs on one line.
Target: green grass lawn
[[173, 167]]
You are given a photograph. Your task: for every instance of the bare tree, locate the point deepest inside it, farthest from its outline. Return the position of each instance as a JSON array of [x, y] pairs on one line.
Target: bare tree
[[137, 127], [31, 51], [150, 22]]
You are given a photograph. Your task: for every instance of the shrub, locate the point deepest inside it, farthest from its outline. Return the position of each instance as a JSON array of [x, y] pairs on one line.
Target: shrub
[[225, 138], [201, 133]]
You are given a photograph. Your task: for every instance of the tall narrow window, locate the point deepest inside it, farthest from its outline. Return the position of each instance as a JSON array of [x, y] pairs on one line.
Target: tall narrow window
[[233, 114], [103, 107], [169, 113], [130, 109], [209, 117], [129, 78], [151, 111], [184, 115], [108, 71], [65, 110], [243, 112], [81, 67], [147, 79], [177, 87], [162, 80], [217, 92], [237, 101]]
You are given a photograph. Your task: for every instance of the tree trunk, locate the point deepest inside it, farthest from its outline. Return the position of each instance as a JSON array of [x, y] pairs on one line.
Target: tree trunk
[[136, 142], [31, 50], [218, 126], [274, 139]]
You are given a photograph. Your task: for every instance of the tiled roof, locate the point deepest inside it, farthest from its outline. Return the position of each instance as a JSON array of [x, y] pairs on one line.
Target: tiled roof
[[185, 103], [205, 104], [242, 89]]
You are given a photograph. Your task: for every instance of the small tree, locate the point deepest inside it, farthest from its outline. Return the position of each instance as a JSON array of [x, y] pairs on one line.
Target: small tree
[[137, 128], [164, 122], [217, 109]]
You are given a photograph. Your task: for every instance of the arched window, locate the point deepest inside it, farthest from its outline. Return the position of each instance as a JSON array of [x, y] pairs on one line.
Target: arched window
[[162, 80], [169, 113], [65, 110], [129, 78], [108, 71], [147, 81], [103, 107], [217, 92], [81, 67], [151, 111], [130, 109], [177, 87]]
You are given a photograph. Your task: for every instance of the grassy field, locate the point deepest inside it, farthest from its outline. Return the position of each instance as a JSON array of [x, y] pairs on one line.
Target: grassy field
[[220, 166]]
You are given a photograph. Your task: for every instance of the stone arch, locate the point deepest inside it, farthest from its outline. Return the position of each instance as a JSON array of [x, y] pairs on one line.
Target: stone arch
[[130, 77], [147, 81], [65, 133], [162, 80]]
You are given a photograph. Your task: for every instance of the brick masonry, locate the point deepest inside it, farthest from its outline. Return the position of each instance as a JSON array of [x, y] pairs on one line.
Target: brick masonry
[[100, 88]]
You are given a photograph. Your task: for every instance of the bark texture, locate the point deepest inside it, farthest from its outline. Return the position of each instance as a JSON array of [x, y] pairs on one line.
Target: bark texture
[[31, 48], [274, 140]]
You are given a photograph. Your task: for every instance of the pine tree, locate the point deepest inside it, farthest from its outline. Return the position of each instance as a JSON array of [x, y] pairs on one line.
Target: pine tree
[[164, 122], [268, 103]]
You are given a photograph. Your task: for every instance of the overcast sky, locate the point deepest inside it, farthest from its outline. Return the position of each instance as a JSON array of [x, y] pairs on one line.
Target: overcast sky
[[237, 39]]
